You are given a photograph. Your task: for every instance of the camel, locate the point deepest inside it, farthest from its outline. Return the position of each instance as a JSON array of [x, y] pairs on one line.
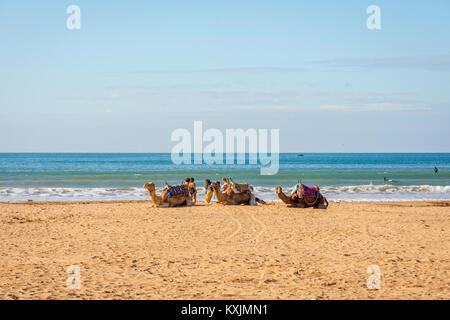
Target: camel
[[238, 187], [305, 202], [232, 198], [164, 200]]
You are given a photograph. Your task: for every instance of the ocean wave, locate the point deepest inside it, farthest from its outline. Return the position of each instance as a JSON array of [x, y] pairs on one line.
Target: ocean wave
[[387, 189], [72, 194], [349, 193]]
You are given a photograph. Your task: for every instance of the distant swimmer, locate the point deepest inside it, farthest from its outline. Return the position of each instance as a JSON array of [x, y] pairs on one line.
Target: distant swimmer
[[436, 170], [385, 179]]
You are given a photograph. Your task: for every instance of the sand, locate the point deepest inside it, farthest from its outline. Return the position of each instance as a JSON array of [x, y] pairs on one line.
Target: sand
[[129, 250]]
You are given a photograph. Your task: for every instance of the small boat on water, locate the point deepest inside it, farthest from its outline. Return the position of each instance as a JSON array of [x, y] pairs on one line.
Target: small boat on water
[[300, 155]]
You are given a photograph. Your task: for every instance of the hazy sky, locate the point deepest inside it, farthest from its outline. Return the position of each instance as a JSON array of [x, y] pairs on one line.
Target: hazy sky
[[137, 70]]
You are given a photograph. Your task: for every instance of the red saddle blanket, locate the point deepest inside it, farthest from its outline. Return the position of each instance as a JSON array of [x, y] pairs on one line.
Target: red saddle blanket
[[305, 191]]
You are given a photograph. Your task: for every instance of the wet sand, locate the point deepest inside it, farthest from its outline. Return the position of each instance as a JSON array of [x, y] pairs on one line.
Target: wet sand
[[130, 250]]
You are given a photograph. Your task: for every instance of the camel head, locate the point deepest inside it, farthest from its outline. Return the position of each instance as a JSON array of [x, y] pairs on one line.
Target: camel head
[[150, 186], [216, 185], [278, 190]]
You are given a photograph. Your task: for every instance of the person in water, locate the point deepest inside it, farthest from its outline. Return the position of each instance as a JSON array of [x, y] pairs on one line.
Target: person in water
[[436, 170], [192, 190]]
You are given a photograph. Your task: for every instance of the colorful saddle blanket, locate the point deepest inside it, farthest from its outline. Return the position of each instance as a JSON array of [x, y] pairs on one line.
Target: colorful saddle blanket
[[305, 191], [176, 190]]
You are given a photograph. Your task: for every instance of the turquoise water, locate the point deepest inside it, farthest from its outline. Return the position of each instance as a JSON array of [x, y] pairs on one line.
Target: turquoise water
[[356, 177]]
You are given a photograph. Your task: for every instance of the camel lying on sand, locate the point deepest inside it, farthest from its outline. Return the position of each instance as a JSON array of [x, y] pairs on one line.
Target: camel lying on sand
[[318, 202], [164, 199], [231, 197]]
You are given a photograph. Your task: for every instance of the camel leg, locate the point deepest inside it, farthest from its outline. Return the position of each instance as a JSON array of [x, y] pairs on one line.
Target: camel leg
[[252, 200], [301, 204], [323, 203]]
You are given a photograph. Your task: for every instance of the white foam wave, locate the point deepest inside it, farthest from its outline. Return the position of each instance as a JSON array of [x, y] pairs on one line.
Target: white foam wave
[[72, 194], [347, 193], [387, 189]]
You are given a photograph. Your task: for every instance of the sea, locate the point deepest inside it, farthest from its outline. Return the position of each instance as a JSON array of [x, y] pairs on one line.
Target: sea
[[121, 176]]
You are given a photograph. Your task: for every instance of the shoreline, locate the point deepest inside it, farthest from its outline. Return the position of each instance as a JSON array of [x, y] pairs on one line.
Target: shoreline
[[446, 202], [351, 193], [131, 250]]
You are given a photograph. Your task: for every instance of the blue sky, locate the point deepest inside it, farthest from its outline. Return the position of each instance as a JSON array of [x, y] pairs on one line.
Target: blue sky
[[138, 70]]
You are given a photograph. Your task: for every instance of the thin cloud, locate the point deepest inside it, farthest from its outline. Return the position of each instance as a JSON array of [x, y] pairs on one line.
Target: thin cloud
[[380, 107], [226, 70], [334, 107], [260, 107], [424, 62], [284, 108]]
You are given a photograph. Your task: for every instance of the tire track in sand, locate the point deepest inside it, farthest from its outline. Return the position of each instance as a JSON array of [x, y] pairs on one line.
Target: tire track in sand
[[237, 228], [263, 229]]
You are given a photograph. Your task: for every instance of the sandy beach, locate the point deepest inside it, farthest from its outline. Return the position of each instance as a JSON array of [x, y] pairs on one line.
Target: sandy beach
[[130, 250]]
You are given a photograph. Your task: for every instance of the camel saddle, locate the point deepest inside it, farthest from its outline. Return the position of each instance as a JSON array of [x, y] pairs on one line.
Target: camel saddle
[[241, 187], [176, 190], [305, 191]]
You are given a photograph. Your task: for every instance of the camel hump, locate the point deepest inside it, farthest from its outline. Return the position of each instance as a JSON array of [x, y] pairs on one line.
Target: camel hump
[[242, 187], [239, 187]]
